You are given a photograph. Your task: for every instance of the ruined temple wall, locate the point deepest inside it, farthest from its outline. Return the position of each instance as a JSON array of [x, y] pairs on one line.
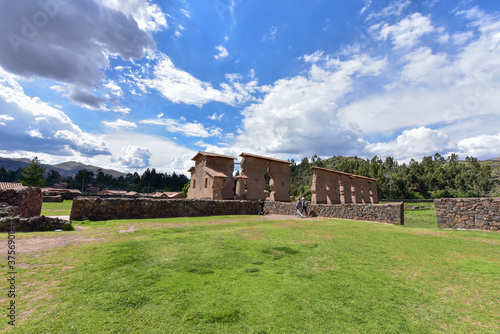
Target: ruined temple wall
[[318, 188], [255, 169], [280, 181], [373, 192], [356, 184], [345, 189], [28, 199], [205, 186]]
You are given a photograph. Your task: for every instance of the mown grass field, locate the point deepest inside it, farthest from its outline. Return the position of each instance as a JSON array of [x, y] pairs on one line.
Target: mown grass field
[[57, 209], [246, 274]]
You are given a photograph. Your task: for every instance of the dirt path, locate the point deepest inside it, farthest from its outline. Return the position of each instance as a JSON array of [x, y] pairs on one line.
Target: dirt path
[[43, 243]]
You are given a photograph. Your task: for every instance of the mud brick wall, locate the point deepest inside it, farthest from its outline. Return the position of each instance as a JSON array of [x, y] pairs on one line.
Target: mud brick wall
[[29, 200], [140, 208], [52, 199], [468, 213], [392, 213]]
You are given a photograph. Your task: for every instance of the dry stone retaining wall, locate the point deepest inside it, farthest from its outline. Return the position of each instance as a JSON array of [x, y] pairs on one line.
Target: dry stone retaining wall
[[392, 213], [38, 223], [29, 200], [140, 208], [468, 213]]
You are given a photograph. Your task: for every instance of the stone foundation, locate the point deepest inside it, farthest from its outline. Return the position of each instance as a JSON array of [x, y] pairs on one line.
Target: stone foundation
[[468, 213], [143, 208], [392, 213], [33, 224], [29, 200]]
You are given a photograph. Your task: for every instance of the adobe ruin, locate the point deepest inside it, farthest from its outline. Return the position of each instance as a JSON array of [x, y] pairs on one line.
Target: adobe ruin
[[333, 187], [211, 177], [251, 183]]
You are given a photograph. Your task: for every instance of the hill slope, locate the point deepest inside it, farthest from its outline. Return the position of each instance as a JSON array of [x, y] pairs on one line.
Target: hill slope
[[66, 169]]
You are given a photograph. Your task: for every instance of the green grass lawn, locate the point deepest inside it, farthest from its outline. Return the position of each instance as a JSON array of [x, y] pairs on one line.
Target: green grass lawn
[[238, 274], [57, 209]]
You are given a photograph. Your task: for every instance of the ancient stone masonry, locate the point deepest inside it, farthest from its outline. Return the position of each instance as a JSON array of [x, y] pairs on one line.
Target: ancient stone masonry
[[211, 177], [144, 208], [392, 213], [332, 187], [29, 200], [33, 224], [468, 213], [251, 183]]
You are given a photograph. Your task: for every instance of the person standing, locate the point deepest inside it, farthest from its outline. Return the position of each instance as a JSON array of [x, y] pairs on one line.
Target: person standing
[[299, 208], [261, 207], [304, 206]]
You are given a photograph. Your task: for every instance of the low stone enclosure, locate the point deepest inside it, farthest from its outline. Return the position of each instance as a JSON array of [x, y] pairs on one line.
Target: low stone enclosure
[[20, 210], [29, 200], [140, 208], [468, 213]]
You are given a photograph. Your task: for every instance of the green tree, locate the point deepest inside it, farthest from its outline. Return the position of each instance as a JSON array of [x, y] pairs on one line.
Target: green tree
[[32, 175], [53, 177]]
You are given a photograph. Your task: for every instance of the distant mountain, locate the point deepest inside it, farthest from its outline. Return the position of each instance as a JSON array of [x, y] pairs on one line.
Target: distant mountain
[[66, 169]]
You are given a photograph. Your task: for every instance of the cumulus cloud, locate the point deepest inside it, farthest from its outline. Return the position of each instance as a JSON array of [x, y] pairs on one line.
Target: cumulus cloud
[[134, 157], [222, 52], [299, 114], [180, 86], [34, 125], [413, 143], [69, 42], [407, 32], [483, 145]]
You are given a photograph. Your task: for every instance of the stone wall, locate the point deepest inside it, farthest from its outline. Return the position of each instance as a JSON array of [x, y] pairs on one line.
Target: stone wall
[[29, 200], [392, 213], [52, 199], [468, 213], [38, 223], [140, 208]]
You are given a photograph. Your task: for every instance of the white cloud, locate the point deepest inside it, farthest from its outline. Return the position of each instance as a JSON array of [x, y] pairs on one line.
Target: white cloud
[[299, 114], [133, 157], [271, 35], [483, 145], [396, 8], [188, 129], [5, 118], [407, 32], [186, 13], [179, 86], [414, 143], [119, 123], [216, 117], [148, 15], [36, 126], [222, 52]]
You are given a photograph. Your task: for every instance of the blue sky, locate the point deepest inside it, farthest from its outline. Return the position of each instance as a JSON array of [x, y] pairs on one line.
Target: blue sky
[[139, 84]]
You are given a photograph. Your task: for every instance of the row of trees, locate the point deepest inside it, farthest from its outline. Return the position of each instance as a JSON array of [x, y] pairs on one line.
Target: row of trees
[[150, 181], [433, 177]]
